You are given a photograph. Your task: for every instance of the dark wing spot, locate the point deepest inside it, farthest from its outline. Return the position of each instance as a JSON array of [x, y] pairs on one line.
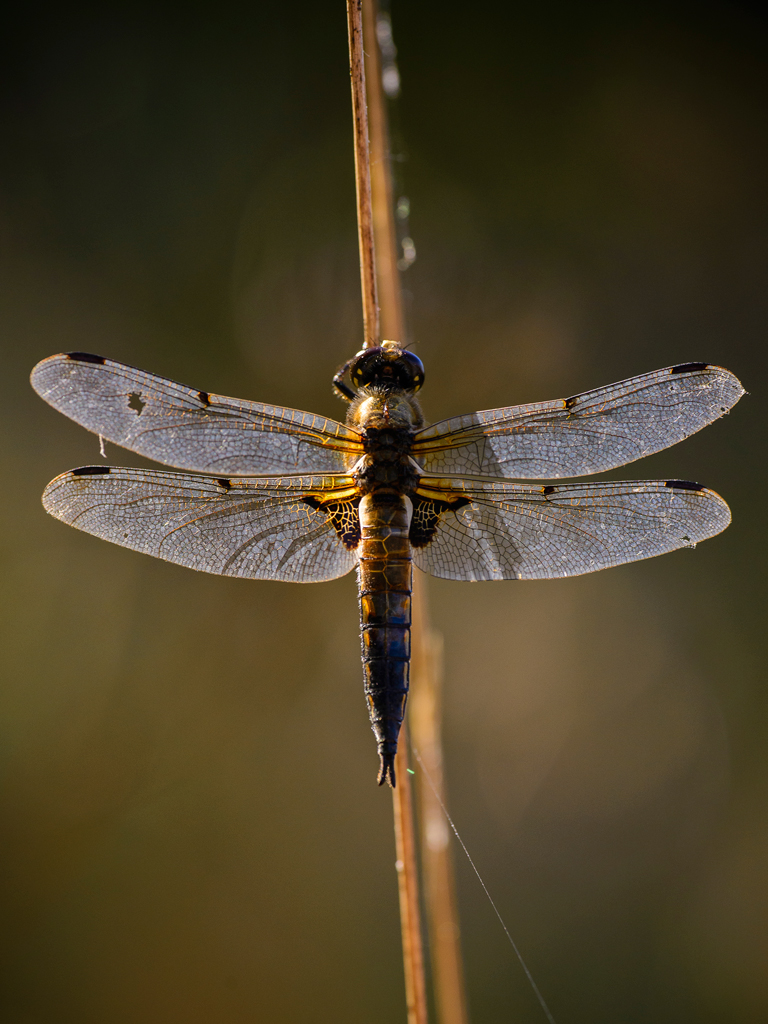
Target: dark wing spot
[[570, 402], [136, 402], [343, 517], [204, 397], [548, 489], [689, 367], [683, 485], [91, 471], [223, 482], [85, 357], [426, 516]]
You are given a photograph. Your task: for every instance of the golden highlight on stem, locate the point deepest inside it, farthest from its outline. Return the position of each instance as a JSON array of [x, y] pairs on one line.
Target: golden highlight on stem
[[363, 175]]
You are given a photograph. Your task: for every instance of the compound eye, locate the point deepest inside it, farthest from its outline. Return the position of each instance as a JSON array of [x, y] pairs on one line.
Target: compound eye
[[363, 369], [415, 369]]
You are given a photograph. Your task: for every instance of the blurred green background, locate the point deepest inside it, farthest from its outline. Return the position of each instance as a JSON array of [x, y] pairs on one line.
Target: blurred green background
[[192, 831]]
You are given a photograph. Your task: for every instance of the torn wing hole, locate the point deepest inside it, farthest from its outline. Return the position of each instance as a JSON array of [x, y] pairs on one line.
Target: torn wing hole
[[136, 402]]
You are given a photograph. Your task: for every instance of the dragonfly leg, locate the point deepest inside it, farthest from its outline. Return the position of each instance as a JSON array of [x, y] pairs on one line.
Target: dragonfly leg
[[341, 387]]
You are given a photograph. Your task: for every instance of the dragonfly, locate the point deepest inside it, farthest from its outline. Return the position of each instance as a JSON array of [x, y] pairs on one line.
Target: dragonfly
[[272, 493]]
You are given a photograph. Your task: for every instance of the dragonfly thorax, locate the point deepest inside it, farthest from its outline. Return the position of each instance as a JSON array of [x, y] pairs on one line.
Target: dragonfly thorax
[[385, 409], [386, 471], [387, 419]]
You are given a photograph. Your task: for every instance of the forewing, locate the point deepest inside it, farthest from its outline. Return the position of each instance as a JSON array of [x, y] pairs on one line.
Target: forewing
[[189, 429], [518, 531], [588, 433], [253, 528]]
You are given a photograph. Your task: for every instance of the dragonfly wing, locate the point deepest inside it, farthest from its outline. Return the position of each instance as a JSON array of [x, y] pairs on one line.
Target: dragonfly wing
[[189, 429], [254, 528], [499, 530], [585, 434]]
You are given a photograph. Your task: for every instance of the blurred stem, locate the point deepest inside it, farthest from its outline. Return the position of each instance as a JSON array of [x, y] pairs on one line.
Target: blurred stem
[[365, 238], [425, 645]]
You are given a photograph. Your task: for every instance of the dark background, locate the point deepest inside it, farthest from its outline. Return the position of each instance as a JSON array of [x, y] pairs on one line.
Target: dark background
[[192, 832]]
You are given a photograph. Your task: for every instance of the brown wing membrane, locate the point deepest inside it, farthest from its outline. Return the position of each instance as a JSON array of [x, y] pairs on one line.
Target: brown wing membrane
[[265, 528], [189, 429], [498, 530], [588, 433], [426, 517], [343, 517]]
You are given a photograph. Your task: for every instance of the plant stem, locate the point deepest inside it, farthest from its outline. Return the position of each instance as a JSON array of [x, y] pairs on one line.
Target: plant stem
[[425, 715], [376, 215], [426, 667], [363, 175], [408, 888], [385, 234]]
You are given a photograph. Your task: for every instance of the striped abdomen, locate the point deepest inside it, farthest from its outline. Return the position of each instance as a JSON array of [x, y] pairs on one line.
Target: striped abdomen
[[384, 577]]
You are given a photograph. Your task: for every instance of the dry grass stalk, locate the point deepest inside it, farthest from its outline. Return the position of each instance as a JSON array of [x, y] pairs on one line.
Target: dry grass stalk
[[408, 879], [425, 709], [425, 716], [363, 175], [385, 234], [408, 888]]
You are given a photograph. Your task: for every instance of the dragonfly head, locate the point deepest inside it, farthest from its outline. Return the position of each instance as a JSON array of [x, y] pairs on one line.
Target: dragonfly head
[[387, 365]]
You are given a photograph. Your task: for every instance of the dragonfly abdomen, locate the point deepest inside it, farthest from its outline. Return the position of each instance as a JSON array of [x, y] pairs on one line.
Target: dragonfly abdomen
[[384, 577]]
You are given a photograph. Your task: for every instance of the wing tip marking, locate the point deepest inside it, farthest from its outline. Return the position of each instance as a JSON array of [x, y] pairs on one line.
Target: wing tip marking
[[689, 367], [91, 471], [85, 357], [684, 485], [204, 397]]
